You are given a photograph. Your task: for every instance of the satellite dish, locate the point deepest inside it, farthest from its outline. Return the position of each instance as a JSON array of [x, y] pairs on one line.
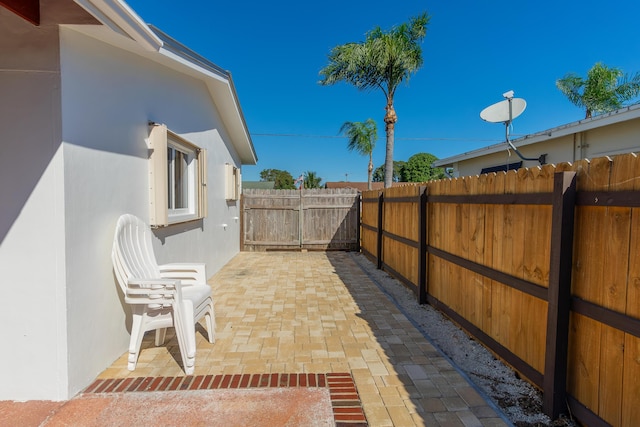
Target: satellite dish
[[499, 112], [504, 112]]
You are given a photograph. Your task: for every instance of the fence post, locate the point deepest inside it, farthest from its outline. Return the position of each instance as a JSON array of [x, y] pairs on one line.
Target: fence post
[[241, 215], [358, 220], [380, 212], [559, 294], [300, 218], [422, 245]]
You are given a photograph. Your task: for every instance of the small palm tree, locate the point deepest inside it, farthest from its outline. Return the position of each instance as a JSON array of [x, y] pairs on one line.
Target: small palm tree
[[605, 89], [382, 61], [311, 180], [362, 139]]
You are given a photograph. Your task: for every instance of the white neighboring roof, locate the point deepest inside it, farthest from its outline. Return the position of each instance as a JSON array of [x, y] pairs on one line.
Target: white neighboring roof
[[621, 115], [154, 44]]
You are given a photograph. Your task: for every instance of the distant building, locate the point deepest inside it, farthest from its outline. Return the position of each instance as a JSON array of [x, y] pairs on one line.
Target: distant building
[[609, 134]]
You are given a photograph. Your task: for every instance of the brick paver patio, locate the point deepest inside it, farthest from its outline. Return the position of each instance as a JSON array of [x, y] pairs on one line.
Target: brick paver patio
[[315, 312]]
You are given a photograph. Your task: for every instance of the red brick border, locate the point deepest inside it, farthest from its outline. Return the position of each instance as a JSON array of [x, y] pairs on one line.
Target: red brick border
[[347, 408]]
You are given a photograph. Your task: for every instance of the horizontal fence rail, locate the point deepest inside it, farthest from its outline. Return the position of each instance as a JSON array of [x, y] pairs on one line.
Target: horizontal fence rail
[[541, 265]]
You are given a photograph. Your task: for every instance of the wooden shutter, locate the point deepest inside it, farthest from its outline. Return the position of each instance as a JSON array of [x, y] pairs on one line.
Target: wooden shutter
[[202, 183], [158, 212]]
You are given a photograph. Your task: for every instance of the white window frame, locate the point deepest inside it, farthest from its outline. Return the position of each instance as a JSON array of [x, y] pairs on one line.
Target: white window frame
[[166, 147]]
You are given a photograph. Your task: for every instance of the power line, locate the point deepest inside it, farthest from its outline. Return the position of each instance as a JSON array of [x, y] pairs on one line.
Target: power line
[[300, 135]]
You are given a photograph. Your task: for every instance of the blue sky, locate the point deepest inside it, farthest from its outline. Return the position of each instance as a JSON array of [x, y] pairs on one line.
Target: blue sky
[[473, 52]]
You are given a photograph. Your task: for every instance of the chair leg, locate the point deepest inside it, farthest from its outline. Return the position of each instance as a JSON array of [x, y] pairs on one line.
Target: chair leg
[[137, 333], [161, 333], [210, 317], [186, 333]]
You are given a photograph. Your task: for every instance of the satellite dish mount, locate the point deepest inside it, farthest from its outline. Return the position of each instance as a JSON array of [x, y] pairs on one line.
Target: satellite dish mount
[[504, 112]]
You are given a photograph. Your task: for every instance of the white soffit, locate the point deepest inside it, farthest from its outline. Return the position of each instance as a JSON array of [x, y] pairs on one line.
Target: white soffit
[[118, 16]]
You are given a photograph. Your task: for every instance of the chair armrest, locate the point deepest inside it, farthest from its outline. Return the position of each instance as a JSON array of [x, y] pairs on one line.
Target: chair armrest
[[153, 291], [152, 283], [188, 273]]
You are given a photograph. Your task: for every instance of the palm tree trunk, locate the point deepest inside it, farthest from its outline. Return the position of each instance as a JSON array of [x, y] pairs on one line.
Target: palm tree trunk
[[390, 120], [370, 174]]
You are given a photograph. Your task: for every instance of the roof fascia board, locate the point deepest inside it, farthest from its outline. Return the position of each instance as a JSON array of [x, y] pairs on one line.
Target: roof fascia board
[[239, 131], [252, 157], [628, 113], [169, 44], [118, 16]]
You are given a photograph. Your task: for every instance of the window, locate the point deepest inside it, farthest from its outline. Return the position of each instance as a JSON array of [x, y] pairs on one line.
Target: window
[[502, 168], [177, 178]]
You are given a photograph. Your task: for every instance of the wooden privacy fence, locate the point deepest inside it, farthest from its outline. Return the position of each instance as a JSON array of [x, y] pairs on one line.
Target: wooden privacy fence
[[292, 219], [541, 265]]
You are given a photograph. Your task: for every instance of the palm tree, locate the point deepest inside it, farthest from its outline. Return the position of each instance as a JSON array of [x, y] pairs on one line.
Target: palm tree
[[382, 61], [362, 139], [605, 89], [311, 180]]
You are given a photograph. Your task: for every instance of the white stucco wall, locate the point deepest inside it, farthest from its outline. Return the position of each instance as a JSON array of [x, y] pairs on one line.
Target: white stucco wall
[[614, 139], [73, 123], [33, 361], [108, 97]]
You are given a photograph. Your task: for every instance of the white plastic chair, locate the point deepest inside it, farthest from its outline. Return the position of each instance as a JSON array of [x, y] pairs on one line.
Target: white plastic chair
[[161, 296]]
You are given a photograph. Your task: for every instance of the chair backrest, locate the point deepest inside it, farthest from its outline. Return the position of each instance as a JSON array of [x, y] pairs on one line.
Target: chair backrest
[[132, 253]]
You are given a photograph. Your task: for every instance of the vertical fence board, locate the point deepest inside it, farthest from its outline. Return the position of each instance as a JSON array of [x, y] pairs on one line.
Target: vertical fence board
[[584, 373], [465, 288], [518, 338], [537, 229], [476, 239], [487, 183], [592, 262], [500, 296], [537, 248], [611, 365], [584, 354], [630, 401], [631, 382], [614, 283]]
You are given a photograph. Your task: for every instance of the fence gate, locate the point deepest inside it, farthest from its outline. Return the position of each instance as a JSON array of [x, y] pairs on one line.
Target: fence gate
[[324, 219]]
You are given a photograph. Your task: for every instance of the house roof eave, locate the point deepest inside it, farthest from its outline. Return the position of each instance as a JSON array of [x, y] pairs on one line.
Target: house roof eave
[[118, 16]]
